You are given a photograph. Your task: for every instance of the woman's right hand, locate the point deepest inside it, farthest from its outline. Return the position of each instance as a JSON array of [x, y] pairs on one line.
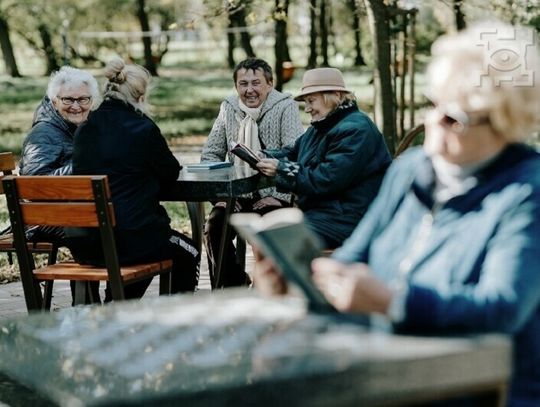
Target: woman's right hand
[[268, 166], [266, 278]]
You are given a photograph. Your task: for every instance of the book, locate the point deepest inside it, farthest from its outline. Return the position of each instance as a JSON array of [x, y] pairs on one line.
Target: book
[[283, 236], [246, 154], [208, 165]]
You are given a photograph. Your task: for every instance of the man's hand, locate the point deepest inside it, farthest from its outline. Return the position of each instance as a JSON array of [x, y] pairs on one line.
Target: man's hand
[[266, 201], [268, 166], [351, 287]]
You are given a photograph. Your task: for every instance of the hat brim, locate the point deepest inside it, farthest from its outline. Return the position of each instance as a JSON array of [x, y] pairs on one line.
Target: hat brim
[[321, 88]]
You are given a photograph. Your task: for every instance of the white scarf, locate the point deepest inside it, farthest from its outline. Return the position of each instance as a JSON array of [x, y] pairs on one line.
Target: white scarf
[[248, 133]]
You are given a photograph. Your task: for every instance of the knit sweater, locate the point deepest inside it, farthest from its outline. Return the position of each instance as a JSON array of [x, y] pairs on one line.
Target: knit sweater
[[279, 126]]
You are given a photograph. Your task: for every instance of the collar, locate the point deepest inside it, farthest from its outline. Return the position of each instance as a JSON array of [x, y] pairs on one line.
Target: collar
[[332, 118]]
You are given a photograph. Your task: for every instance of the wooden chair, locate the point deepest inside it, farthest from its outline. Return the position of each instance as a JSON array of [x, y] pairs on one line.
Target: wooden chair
[[409, 137], [71, 201], [7, 166]]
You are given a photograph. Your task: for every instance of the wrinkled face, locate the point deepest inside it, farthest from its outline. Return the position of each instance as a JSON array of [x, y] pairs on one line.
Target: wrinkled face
[[73, 103], [460, 139], [315, 106], [252, 87]]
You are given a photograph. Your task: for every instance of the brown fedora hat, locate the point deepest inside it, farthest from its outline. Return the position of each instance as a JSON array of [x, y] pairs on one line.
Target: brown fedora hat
[[322, 80]]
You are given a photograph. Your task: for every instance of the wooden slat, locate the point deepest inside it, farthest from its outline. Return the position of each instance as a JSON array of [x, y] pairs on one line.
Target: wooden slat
[[77, 214], [7, 162], [54, 187], [7, 245], [78, 272]]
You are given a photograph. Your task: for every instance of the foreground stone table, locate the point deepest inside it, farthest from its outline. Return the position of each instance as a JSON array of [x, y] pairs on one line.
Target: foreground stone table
[[233, 348]]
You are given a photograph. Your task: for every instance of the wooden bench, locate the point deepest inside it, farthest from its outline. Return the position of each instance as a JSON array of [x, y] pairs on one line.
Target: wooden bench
[[70, 201], [7, 166]]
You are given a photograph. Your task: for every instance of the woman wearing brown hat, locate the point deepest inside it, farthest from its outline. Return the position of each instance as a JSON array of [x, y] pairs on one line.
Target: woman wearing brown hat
[[335, 168]]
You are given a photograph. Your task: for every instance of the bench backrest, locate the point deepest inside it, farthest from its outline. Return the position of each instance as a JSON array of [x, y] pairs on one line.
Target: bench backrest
[[7, 166], [78, 201]]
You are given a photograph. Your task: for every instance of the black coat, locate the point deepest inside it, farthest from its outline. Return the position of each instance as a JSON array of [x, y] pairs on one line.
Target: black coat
[[128, 147], [335, 169], [48, 147]]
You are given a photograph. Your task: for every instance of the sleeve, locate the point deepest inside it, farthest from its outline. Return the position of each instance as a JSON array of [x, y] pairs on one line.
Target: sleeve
[[346, 160], [41, 155], [395, 184], [215, 148], [162, 161], [291, 125], [506, 295]]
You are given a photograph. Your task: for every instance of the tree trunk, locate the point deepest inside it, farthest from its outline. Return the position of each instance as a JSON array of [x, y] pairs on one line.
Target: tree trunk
[[459, 16], [312, 60], [149, 62], [384, 96], [359, 58], [7, 50], [323, 24], [245, 38], [50, 53], [280, 45], [231, 37]]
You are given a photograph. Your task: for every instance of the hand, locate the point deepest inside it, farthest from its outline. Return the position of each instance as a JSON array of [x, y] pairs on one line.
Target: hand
[[266, 201], [351, 287], [266, 278], [268, 166], [223, 204]]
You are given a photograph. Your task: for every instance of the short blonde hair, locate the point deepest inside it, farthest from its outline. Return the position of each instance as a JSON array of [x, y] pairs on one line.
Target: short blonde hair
[[466, 71], [333, 99], [127, 83]]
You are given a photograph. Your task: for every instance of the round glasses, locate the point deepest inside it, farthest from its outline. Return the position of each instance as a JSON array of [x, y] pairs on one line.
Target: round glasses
[[456, 119], [69, 101]]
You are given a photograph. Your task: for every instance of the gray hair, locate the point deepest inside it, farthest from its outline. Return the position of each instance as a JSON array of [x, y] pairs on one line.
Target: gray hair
[[68, 77], [465, 71]]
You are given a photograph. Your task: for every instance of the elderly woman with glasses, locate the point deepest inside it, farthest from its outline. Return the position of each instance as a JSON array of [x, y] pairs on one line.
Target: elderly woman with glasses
[[48, 148], [336, 167], [452, 242]]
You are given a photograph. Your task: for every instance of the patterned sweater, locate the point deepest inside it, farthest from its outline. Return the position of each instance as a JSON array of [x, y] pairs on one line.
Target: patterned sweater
[[279, 126]]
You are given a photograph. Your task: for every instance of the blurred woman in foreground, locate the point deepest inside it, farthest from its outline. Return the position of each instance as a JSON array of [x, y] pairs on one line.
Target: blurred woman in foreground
[[452, 242]]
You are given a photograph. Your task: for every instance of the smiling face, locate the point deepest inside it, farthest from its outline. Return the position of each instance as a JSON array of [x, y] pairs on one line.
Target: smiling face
[[316, 106], [252, 87], [73, 103]]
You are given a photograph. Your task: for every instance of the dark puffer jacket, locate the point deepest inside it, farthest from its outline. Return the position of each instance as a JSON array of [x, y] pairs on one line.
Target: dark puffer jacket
[[48, 148], [335, 169]]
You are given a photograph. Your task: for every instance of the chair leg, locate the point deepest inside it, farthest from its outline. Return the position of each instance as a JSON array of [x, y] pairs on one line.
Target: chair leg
[[80, 293], [47, 294], [165, 283], [53, 255], [10, 258], [241, 253]]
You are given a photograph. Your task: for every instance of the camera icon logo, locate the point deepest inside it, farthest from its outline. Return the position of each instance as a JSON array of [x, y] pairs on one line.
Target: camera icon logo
[[504, 60]]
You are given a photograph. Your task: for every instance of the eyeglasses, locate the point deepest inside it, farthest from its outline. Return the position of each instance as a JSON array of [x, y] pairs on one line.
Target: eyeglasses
[[82, 101], [456, 119]]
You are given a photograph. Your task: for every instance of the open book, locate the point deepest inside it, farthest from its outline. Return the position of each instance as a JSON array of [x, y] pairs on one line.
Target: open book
[[245, 153], [283, 236]]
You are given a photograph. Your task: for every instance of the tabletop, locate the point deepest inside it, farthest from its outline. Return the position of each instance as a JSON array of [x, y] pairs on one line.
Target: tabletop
[[235, 348], [229, 182]]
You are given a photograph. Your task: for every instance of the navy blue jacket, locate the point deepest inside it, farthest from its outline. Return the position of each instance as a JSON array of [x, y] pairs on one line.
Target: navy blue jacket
[[479, 267], [335, 169], [128, 147]]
